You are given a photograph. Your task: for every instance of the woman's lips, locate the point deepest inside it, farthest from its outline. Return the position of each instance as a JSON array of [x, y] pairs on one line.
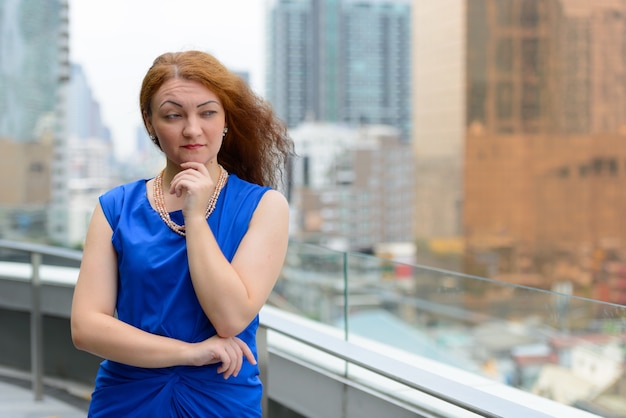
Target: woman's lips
[[193, 146]]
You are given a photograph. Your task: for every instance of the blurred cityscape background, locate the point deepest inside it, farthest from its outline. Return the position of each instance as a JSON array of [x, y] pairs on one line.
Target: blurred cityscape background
[[482, 137]]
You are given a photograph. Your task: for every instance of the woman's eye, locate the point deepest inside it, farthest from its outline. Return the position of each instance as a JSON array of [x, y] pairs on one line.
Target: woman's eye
[[209, 112], [172, 115]]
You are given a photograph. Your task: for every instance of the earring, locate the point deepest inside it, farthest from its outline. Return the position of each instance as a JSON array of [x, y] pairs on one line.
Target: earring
[[154, 139], [224, 132]]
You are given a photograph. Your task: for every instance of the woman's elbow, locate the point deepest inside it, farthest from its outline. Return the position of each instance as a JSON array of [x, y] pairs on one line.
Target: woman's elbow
[[79, 337], [228, 331], [230, 328]]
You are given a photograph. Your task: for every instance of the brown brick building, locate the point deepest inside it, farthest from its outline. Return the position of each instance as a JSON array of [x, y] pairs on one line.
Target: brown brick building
[[520, 111], [551, 207], [25, 173], [25, 184]]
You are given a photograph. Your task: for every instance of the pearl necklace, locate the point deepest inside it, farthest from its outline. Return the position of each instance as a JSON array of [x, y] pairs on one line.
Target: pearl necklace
[[159, 200]]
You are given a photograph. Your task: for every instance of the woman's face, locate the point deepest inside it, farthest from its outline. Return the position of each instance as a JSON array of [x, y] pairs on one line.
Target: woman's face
[[188, 119]]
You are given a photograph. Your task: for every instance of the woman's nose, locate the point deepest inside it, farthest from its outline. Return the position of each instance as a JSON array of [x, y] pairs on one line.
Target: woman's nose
[[192, 127]]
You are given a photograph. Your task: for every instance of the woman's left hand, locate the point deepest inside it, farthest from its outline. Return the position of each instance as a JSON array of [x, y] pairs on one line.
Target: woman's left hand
[[230, 352]]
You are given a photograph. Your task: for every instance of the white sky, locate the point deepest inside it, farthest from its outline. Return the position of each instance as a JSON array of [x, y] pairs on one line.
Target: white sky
[[115, 41]]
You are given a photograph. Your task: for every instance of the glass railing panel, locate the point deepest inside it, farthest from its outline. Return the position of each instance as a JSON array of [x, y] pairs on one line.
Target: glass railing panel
[[404, 307], [312, 284], [568, 349]]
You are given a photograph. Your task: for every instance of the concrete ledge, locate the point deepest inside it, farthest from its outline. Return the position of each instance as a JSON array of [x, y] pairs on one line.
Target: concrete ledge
[[60, 358], [57, 288]]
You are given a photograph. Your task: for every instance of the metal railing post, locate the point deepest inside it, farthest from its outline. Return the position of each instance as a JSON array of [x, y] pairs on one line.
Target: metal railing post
[[36, 328]]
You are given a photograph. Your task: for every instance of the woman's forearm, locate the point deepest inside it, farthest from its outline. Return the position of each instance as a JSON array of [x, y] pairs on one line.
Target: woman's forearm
[[108, 337], [221, 292]]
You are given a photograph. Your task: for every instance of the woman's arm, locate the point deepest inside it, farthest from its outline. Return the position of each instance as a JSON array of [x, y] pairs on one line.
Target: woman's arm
[[233, 294], [96, 330]]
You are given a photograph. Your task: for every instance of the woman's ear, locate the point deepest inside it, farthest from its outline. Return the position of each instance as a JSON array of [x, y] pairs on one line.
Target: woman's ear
[[147, 122]]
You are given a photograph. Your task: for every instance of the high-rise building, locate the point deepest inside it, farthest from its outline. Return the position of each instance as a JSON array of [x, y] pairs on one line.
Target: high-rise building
[[88, 161], [438, 129], [520, 113], [31, 64], [594, 66], [343, 61], [84, 115], [34, 70], [352, 187]]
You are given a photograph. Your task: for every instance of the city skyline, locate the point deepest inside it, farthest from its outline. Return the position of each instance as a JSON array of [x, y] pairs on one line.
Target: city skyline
[[519, 159]]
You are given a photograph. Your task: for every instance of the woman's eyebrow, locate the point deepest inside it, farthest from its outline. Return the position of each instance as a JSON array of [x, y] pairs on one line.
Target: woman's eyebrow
[[207, 102], [179, 105], [172, 102]]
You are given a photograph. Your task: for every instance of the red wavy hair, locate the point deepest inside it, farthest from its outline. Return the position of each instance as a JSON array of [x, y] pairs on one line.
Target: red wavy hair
[[257, 146]]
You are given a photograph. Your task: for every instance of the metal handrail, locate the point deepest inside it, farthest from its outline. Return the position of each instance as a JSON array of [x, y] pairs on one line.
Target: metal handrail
[[64, 253], [414, 376], [36, 252]]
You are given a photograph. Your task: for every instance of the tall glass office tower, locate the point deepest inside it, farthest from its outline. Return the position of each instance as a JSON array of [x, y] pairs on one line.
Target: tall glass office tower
[[340, 61], [31, 64], [34, 73]]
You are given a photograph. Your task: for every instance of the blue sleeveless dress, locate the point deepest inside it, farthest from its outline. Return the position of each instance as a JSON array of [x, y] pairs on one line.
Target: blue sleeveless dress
[[156, 294]]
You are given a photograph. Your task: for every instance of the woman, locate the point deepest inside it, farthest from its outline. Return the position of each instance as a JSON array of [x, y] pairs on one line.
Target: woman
[[176, 268]]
